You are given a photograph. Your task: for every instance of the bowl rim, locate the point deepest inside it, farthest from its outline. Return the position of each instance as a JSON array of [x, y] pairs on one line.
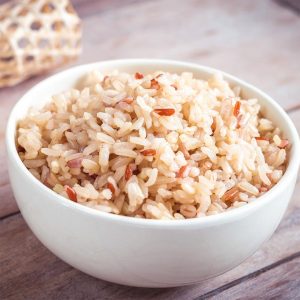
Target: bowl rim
[[227, 216]]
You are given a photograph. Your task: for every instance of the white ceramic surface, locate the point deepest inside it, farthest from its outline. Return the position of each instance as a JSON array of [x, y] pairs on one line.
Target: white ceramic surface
[[139, 252]]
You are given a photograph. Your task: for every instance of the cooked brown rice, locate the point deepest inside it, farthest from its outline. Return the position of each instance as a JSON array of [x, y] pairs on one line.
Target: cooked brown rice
[[156, 146]]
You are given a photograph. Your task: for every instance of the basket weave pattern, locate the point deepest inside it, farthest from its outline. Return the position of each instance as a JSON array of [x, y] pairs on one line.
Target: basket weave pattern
[[36, 36]]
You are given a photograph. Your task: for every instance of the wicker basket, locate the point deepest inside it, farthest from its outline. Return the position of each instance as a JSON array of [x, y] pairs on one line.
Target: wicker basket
[[36, 36]]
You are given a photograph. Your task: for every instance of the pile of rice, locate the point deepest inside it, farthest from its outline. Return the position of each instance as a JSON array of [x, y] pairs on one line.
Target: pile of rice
[[156, 146]]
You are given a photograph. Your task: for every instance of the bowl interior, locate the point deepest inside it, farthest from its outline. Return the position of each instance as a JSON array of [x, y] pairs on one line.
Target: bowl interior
[[65, 80], [68, 79]]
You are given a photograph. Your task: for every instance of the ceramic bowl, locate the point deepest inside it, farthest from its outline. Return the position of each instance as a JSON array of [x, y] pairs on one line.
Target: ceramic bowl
[[138, 252]]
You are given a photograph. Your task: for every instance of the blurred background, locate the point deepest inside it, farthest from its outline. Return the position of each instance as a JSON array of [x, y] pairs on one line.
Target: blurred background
[[258, 41]]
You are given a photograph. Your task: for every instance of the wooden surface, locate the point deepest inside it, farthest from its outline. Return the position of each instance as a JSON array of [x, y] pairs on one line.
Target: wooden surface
[[258, 41]]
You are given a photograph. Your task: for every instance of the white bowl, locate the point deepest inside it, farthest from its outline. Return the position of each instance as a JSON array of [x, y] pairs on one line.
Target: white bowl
[[138, 252]]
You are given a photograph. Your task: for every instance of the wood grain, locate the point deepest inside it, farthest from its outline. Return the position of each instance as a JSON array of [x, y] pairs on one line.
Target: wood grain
[[25, 262], [258, 41], [280, 282]]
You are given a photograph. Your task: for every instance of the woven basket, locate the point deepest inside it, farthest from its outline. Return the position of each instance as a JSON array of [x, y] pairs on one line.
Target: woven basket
[[36, 36]]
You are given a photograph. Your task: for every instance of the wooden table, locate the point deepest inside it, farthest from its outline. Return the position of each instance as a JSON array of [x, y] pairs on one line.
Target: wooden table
[[258, 41]]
